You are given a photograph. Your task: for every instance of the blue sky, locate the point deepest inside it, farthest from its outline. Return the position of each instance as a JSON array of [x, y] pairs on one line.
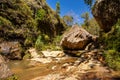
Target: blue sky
[[71, 7]]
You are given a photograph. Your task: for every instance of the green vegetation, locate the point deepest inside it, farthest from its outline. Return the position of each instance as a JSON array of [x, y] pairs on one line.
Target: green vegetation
[[111, 42], [4, 22], [58, 8], [112, 39], [89, 2], [32, 24], [40, 15], [17, 22], [112, 58], [68, 20], [39, 43], [14, 77], [85, 16], [43, 43], [91, 26], [25, 21]]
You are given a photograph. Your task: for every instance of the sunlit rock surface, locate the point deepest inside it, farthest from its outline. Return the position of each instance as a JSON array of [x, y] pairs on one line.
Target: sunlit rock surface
[[76, 38], [4, 70]]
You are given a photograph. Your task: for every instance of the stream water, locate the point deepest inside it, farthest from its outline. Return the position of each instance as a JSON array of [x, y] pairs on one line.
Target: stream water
[[66, 66], [26, 69]]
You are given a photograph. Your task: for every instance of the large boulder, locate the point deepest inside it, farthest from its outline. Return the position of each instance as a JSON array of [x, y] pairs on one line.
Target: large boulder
[[4, 70], [12, 50], [76, 39], [106, 12]]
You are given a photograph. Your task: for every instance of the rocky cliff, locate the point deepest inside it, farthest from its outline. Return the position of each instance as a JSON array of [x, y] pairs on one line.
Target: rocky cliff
[[25, 20]]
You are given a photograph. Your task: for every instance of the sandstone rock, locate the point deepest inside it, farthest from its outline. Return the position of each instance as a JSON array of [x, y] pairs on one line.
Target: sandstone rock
[[53, 53], [33, 53], [71, 78], [49, 77], [11, 50], [106, 12], [76, 38], [4, 70], [42, 60]]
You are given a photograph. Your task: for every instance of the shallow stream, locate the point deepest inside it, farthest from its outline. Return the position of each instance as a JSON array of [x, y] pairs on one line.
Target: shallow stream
[[26, 69]]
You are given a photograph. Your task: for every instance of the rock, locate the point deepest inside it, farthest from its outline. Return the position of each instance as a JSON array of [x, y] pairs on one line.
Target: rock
[[106, 12], [33, 53], [4, 70], [76, 38], [96, 76], [55, 77], [48, 56], [11, 50], [70, 78], [92, 46], [84, 66], [65, 65], [53, 53], [75, 52], [42, 60], [71, 68], [54, 67], [77, 62], [49, 77], [55, 26]]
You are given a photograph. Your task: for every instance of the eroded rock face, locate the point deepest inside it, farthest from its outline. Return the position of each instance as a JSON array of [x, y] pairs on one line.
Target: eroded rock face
[[11, 50], [106, 12], [76, 38], [4, 70]]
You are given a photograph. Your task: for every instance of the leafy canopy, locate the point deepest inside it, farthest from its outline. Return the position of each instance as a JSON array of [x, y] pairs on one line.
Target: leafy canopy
[[89, 2], [58, 7]]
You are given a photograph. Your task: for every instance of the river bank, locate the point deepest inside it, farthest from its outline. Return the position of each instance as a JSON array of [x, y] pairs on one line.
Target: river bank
[[62, 68]]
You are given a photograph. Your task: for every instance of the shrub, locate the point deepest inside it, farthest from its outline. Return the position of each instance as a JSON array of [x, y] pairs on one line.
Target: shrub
[[39, 43], [17, 23], [14, 77], [43, 43], [45, 38], [112, 39], [4, 21], [57, 40], [26, 56], [93, 27], [112, 44], [40, 15], [112, 58]]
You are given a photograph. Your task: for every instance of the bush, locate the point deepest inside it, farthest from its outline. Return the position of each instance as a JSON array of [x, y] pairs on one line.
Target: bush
[[14, 77], [40, 15], [17, 22], [93, 27], [57, 40], [43, 43], [112, 39], [4, 22], [45, 38], [112, 58], [112, 44], [39, 43]]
